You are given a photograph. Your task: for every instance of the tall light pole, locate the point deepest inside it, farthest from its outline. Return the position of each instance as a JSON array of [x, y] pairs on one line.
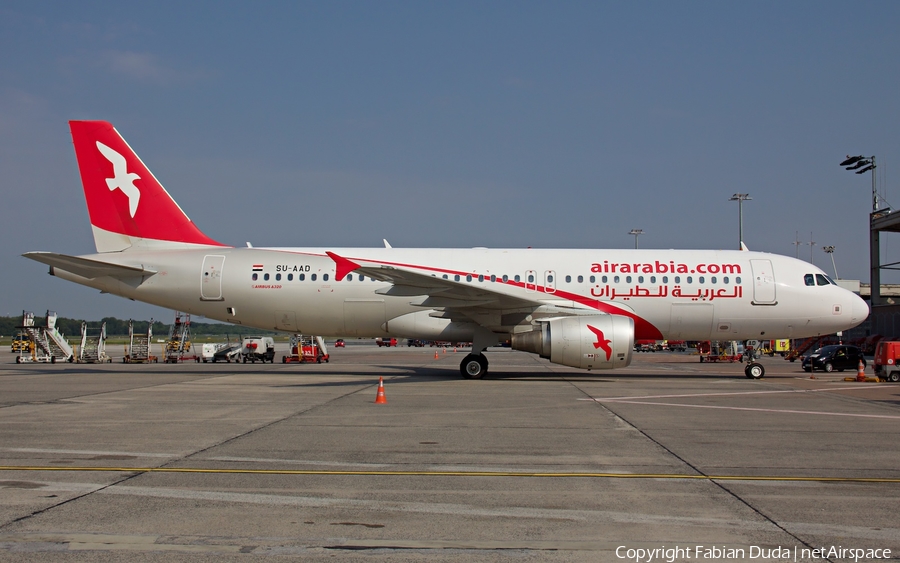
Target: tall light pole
[[740, 198], [829, 250], [812, 244], [862, 164], [636, 233]]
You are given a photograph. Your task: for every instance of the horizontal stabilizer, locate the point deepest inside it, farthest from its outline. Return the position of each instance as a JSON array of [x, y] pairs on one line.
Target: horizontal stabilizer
[[86, 267]]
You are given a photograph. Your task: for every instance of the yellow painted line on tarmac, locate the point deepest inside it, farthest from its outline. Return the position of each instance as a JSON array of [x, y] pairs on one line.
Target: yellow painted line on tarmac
[[327, 472]]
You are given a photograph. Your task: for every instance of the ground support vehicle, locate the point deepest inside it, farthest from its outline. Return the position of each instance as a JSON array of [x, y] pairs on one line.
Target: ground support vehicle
[[715, 351], [208, 351], [887, 360], [93, 345], [50, 346], [138, 350], [228, 353], [21, 342], [178, 346], [388, 342], [834, 357], [306, 349], [258, 348]]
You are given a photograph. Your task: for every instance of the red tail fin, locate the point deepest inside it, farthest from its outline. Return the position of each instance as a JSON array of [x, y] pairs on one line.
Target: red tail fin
[[126, 203]]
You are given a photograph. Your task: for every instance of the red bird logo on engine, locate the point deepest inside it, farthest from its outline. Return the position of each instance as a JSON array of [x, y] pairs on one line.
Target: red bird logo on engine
[[602, 342]]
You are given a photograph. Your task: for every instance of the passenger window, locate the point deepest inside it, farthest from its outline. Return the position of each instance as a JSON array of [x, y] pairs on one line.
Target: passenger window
[[605, 279], [690, 279], [725, 280], [640, 279], [615, 279], [517, 278], [312, 277], [277, 277], [505, 278], [480, 277], [593, 279], [266, 277], [713, 279], [468, 277], [290, 277], [580, 279], [324, 277], [456, 277], [568, 279], [349, 277], [627, 279], [530, 278], [822, 280], [701, 279], [665, 279], [549, 279], [362, 278], [652, 279], [737, 280], [301, 277], [255, 277], [493, 277], [445, 277]]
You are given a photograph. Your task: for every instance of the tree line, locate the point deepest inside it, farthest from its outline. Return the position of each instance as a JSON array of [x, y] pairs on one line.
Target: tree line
[[119, 327]]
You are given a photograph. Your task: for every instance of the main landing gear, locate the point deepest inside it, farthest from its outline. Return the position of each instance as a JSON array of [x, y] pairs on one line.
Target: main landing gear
[[754, 371], [473, 366]]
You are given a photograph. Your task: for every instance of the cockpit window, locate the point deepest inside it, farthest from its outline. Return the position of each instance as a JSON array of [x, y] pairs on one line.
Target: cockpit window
[[831, 281], [822, 280], [809, 279]]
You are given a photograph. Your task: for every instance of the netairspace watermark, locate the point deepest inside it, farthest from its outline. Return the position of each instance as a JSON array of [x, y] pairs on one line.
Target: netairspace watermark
[[752, 553]]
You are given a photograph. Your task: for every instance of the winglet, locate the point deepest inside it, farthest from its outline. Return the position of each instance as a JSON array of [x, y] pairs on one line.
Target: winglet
[[342, 266]]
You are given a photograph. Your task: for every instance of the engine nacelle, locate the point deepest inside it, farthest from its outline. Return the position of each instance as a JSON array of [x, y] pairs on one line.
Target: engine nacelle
[[587, 342]]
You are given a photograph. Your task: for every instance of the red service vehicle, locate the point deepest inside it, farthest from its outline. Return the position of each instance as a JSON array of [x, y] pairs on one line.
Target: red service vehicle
[[339, 343], [386, 342], [306, 349], [887, 360]]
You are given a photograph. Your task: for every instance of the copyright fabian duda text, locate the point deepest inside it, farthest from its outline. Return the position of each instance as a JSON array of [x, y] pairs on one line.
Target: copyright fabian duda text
[[751, 553]]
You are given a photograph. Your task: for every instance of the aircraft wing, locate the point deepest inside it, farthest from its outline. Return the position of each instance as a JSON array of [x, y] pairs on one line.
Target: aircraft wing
[[461, 301], [86, 267]]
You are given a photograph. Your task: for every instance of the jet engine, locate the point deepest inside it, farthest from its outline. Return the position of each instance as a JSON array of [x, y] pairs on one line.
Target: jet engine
[[587, 342]]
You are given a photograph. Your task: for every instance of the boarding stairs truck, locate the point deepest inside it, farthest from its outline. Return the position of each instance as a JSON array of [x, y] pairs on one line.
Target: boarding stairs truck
[[50, 346], [93, 345], [178, 346], [139, 346]]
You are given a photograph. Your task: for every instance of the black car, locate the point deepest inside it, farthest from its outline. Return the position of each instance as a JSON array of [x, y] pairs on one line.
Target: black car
[[834, 357]]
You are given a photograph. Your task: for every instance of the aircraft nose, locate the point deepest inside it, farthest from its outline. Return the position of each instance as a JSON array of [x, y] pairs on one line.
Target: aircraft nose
[[859, 309]]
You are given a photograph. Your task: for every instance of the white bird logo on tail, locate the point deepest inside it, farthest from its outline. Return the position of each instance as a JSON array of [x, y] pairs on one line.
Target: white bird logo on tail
[[122, 179]]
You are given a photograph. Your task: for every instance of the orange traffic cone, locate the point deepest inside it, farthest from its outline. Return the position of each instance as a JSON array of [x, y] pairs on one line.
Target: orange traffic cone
[[861, 372], [379, 398], [435, 355], [454, 349], [445, 350]]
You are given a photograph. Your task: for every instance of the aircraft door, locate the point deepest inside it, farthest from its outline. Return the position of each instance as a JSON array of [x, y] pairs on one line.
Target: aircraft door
[[211, 278], [763, 282], [550, 281], [531, 280]]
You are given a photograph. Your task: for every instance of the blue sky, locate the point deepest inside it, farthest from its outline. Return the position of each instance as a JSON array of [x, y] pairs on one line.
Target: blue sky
[[454, 124]]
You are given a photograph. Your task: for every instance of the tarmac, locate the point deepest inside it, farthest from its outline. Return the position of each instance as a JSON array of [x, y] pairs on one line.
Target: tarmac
[[537, 462]]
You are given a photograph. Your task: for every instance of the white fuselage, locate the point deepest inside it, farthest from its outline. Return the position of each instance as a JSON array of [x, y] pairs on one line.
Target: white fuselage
[[674, 294]]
